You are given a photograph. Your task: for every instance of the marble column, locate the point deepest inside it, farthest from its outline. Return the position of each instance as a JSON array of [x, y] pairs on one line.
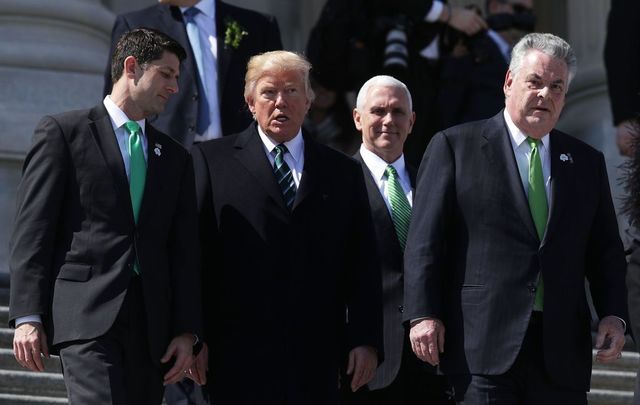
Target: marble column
[[52, 58]]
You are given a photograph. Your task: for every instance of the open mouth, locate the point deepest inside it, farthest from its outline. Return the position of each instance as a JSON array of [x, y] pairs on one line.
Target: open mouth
[[281, 118]]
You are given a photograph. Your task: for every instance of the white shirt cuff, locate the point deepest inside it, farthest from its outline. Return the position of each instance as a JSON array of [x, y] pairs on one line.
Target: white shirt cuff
[[28, 318], [434, 14]]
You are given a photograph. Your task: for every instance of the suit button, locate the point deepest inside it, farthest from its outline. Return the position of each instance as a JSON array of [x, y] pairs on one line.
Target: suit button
[[192, 128], [532, 288], [401, 309], [195, 97]]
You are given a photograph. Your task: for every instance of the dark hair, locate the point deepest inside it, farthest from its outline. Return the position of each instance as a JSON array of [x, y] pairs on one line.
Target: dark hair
[[144, 44]]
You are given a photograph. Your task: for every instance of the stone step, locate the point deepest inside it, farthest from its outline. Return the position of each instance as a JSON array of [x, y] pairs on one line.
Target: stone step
[[12, 399], [32, 383], [613, 380], [609, 397], [6, 338], [8, 362], [4, 316], [630, 361]]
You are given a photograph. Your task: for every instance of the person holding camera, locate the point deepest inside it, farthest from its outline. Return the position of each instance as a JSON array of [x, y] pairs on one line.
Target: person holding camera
[[354, 40]]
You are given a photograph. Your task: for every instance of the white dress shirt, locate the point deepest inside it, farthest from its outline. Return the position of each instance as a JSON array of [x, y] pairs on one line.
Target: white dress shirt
[[377, 167], [208, 72], [295, 157]]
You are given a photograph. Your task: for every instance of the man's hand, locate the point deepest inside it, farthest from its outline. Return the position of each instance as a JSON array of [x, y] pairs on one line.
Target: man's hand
[[427, 339], [465, 20], [625, 137], [181, 347], [362, 365], [29, 340], [609, 330], [199, 368]]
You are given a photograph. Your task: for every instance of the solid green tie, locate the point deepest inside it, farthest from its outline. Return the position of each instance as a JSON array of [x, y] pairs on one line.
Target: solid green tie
[[137, 172], [400, 208], [538, 206]]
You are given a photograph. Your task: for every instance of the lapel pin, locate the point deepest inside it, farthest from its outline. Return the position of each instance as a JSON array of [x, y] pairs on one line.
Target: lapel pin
[[158, 149], [566, 157]]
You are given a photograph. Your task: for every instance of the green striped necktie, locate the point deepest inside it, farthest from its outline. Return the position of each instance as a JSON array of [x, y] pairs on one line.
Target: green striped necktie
[[400, 208]]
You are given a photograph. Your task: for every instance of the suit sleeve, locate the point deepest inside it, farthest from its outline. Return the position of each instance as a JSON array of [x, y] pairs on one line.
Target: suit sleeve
[[622, 59], [120, 26], [39, 205], [606, 264], [364, 296], [427, 243], [185, 259]]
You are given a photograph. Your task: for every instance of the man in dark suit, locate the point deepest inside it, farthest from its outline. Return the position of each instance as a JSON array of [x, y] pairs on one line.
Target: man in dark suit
[[622, 59], [385, 117], [473, 72], [225, 37], [513, 216], [287, 250], [104, 264]]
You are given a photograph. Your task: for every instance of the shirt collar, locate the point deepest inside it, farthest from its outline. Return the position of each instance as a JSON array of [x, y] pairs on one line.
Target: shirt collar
[[503, 46], [377, 166], [206, 7], [517, 136], [118, 117], [294, 146]]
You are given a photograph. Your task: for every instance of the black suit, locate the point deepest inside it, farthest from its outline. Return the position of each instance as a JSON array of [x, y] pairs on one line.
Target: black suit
[[180, 115], [75, 238], [278, 281], [622, 59], [471, 85], [473, 256], [402, 378]]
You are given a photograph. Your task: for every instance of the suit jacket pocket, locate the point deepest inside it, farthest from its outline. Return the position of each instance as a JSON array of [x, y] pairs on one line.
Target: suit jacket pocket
[[75, 272]]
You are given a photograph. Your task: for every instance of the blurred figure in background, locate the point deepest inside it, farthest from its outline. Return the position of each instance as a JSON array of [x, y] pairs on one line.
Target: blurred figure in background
[[474, 69], [354, 40]]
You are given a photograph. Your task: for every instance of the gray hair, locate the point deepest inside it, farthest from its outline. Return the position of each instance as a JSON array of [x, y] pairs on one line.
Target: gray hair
[[381, 81], [548, 44]]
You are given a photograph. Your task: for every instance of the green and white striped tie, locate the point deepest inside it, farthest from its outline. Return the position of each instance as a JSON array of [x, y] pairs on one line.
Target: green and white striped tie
[[400, 208]]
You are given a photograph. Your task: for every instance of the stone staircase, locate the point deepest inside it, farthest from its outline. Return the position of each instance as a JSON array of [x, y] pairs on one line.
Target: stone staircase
[[611, 384], [21, 387]]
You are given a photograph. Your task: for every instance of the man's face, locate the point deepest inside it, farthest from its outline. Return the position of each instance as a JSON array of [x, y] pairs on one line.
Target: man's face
[[535, 95], [279, 104], [154, 83], [385, 121]]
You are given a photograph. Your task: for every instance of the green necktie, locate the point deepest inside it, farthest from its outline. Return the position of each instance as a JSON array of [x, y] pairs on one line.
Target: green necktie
[[400, 208], [137, 172], [538, 205]]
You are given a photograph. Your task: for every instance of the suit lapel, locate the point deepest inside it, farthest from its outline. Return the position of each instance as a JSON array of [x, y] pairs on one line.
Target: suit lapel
[[224, 54], [562, 177], [379, 210], [153, 183], [105, 138], [250, 153], [311, 172], [499, 151]]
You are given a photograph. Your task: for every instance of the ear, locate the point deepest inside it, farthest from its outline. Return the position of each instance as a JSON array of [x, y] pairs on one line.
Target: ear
[[413, 121], [357, 119], [251, 104], [508, 82], [130, 65]]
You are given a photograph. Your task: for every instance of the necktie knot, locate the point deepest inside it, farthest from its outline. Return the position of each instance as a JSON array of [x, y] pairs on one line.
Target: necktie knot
[[391, 172], [190, 14], [533, 143], [132, 127], [280, 151]]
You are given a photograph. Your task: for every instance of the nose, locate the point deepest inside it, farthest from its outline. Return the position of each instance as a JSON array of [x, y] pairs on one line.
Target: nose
[[544, 92], [387, 118], [173, 88], [280, 100]]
